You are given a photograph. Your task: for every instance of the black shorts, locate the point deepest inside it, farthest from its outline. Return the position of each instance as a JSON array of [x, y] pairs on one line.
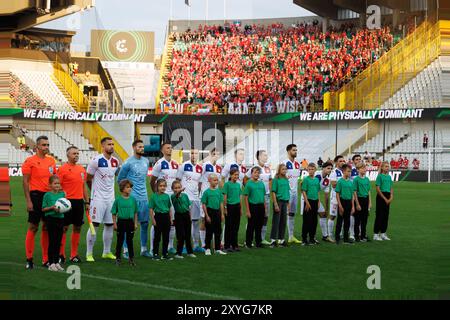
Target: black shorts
[[76, 214], [36, 215]]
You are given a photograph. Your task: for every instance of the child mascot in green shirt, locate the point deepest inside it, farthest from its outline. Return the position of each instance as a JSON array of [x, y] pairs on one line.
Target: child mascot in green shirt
[[124, 213]]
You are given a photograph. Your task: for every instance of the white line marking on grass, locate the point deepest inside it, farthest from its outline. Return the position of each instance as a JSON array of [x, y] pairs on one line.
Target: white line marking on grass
[[141, 284]]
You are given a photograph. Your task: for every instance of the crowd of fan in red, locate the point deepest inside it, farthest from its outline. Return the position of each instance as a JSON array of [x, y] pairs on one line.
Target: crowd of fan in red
[[268, 63]]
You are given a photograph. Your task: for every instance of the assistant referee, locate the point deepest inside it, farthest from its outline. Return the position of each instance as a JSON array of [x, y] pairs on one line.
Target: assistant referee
[[73, 182]]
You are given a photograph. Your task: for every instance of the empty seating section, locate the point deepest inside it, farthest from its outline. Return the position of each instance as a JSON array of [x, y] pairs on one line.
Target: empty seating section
[[375, 144], [42, 84], [414, 142], [424, 91], [16, 156], [23, 96], [59, 142]]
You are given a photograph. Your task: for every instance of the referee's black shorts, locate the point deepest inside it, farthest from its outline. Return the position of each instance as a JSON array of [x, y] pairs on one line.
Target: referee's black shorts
[[76, 214], [36, 215]]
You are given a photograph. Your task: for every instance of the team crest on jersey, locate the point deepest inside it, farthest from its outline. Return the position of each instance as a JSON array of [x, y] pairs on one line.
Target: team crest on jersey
[[188, 167], [50, 169], [326, 182], [218, 169], [289, 165], [209, 168], [198, 169], [243, 169], [338, 173], [102, 163], [297, 165], [174, 165], [114, 163]]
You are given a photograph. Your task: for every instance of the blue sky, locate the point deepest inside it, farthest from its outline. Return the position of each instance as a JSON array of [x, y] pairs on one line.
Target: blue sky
[[153, 15]]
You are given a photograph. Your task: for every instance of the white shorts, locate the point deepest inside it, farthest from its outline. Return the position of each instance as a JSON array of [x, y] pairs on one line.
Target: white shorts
[[293, 200], [101, 211], [302, 205], [196, 210], [334, 209]]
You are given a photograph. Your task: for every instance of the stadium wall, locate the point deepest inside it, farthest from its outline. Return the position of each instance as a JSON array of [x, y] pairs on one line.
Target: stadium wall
[[183, 25]]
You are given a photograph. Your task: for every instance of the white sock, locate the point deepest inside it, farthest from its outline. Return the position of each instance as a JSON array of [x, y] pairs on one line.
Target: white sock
[[196, 232], [323, 226], [330, 227], [171, 236], [143, 249], [291, 226], [352, 226], [202, 237], [108, 232], [125, 249], [263, 233], [90, 240], [152, 236], [222, 240]]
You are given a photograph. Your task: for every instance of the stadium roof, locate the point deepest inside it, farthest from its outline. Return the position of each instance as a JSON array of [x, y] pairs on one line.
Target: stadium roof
[[23, 14], [329, 8]]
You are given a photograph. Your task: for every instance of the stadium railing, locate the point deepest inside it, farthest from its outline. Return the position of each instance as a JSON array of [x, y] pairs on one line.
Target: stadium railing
[[71, 87], [392, 71], [165, 59], [354, 140]]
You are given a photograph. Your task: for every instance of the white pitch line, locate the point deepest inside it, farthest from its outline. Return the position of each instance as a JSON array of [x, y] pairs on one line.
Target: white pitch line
[[141, 284]]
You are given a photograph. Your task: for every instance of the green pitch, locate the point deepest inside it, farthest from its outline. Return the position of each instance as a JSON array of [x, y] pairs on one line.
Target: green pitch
[[414, 265]]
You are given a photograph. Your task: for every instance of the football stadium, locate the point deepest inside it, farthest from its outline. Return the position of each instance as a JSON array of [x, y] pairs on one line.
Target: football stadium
[[299, 154]]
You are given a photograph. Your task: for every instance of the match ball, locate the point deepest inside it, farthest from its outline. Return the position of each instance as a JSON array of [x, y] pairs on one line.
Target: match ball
[[63, 205]]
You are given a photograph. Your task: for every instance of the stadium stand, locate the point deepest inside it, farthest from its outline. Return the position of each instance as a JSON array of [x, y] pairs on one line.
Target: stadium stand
[[424, 91], [16, 156], [256, 63], [22, 95], [42, 84], [375, 145], [59, 142]]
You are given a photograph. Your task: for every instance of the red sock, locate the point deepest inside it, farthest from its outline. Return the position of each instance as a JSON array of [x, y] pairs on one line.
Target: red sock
[[29, 244], [62, 249], [44, 245], [75, 242]]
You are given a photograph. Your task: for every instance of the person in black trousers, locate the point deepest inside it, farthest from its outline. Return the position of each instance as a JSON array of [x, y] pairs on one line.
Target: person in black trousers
[[280, 198], [124, 213], [344, 195], [161, 218], [254, 195], [361, 185], [310, 191], [181, 204], [212, 202], [385, 195], [232, 199]]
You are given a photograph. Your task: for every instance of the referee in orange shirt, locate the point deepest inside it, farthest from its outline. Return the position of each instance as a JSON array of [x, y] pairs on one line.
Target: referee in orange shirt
[[73, 183], [36, 171]]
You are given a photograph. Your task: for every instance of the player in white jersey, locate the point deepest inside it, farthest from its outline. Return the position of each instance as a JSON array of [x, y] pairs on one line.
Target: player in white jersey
[[293, 175], [335, 175], [190, 174], [167, 169], [324, 178], [266, 177], [210, 166], [239, 157], [101, 173], [356, 159]]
